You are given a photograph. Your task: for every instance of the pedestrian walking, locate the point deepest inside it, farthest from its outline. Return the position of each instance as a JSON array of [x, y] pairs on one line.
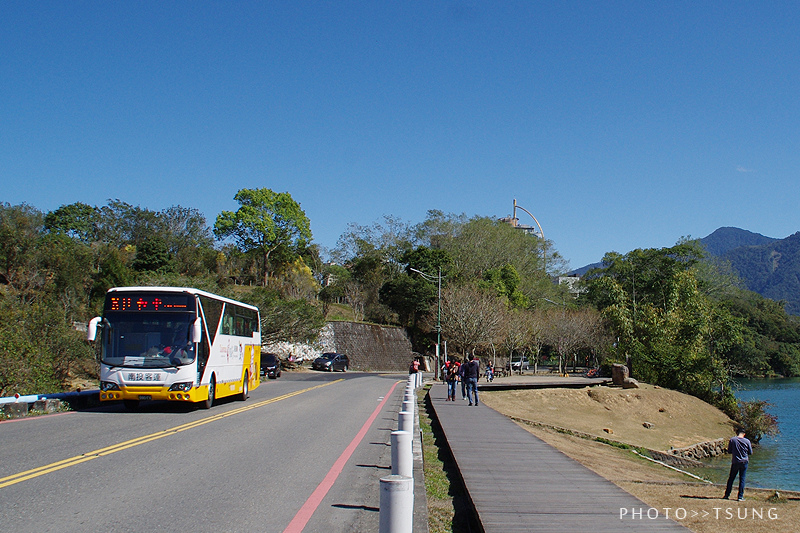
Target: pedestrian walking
[[461, 368], [451, 377], [471, 373], [489, 372], [740, 449]]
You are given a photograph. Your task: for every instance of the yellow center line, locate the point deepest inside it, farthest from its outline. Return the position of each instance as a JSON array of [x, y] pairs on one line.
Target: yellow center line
[[108, 450]]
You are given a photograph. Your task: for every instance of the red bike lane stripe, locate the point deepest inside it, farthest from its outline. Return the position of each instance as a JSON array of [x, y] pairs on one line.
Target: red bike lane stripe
[[310, 506]]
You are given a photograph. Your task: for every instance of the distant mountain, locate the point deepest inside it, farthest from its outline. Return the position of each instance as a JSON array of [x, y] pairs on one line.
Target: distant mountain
[[726, 239], [772, 269], [768, 266], [583, 270]]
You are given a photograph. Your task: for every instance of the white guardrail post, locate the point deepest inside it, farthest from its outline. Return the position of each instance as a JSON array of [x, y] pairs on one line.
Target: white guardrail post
[[402, 456], [408, 405], [405, 421], [397, 504], [397, 490]]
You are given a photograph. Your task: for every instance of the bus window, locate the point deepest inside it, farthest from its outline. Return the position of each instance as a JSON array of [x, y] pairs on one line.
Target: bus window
[[212, 309], [227, 320]]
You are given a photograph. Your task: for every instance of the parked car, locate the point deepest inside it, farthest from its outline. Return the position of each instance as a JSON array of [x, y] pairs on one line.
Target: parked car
[[331, 361], [270, 365], [518, 364]]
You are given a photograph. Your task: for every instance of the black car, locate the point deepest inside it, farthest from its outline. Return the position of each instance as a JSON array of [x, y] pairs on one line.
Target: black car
[[270, 365], [331, 361]]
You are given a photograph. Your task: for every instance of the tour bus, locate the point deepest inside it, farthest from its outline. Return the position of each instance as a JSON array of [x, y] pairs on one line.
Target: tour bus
[[178, 344]]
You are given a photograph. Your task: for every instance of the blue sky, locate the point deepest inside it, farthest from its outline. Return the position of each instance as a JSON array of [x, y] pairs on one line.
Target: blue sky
[[619, 125]]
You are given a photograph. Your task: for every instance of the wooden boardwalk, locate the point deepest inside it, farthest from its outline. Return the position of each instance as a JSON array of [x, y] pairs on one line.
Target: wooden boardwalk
[[517, 482]]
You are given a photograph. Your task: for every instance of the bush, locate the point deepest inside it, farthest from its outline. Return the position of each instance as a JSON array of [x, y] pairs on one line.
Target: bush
[[756, 421], [38, 348]]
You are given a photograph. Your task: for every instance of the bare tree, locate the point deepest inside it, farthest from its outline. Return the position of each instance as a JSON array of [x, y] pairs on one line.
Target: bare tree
[[569, 330], [536, 324], [563, 331], [471, 317], [356, 298], [596, 335], [514, 333]]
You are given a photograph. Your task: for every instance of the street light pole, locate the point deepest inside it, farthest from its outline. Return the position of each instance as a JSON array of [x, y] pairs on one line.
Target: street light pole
[[438, 314], [541, 233], [439, 322]]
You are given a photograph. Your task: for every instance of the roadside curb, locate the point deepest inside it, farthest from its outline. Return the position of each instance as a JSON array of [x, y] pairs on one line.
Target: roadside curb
[[420, 493], [14, 407]]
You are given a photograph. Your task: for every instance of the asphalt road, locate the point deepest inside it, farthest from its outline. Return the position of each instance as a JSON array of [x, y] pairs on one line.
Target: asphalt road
[[259, 465]]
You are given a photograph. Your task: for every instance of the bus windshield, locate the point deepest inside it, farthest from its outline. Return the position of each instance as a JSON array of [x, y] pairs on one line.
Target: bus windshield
[[147, 340]]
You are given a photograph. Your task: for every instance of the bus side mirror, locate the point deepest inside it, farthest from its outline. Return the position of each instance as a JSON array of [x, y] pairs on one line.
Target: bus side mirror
[[197, 330], [91, 330]]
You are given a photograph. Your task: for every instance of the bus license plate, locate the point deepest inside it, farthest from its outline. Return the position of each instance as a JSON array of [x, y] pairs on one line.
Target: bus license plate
[[145, 397]]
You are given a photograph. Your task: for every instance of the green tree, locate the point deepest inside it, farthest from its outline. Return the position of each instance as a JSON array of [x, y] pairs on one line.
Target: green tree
[[438, 228], [506, 281], [482, 244], [672, 334], [334, 280], [285, 320], [408, 296], [78, 221], [184, 227], [369, 272], [188, 239], [411, 294], [121, 223], [771, 342], [266, 221], [152, 254], [647, 275], [20, 229], [112, 271], [429, 261], [389, 238], [68, 266]]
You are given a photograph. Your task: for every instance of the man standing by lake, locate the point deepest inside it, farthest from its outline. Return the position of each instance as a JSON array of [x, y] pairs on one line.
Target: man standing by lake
[[740, 449]]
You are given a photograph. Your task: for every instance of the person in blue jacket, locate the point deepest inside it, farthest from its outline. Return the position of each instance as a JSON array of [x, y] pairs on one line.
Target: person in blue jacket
[[740, 449]]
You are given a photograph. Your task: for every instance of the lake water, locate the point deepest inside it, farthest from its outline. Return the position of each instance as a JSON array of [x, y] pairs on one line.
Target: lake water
[[775, 462]]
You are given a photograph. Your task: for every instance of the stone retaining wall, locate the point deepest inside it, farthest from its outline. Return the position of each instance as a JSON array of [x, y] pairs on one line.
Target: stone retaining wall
[[373, 347], [370, 347], [713, 448]]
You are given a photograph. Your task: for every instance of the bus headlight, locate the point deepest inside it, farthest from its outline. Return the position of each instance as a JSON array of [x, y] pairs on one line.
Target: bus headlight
[[108, 385], [184, 387]]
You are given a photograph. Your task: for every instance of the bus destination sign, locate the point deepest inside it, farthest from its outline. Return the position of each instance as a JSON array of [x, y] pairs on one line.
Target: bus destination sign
[[149, 302]]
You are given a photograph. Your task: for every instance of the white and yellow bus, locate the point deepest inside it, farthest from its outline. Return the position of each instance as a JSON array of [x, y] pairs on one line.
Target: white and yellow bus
[[174, 343]]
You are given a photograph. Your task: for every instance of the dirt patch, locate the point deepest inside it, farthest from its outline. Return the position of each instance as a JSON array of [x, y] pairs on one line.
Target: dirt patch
[[675, 420], [683, 421]]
